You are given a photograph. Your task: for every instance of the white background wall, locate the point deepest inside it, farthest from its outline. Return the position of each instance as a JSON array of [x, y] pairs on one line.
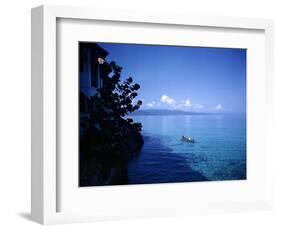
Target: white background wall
[[15, 113]]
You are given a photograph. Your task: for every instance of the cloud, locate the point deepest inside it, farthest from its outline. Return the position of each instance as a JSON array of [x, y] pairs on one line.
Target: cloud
[[186, 103], [151, 104], [219, 107], [198, 106], [167, 100]]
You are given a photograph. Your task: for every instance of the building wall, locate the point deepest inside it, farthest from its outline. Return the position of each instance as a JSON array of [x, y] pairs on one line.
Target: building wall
[[86, 75]]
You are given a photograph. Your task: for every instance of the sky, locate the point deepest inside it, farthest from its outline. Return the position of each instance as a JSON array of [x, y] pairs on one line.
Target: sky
[[184, 78]]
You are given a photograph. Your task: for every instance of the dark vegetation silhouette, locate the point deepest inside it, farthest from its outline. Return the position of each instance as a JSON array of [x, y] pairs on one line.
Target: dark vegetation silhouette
[[111, 139]]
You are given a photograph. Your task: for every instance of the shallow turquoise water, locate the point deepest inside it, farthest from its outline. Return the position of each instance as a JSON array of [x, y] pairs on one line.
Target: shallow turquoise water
[[219, 151]]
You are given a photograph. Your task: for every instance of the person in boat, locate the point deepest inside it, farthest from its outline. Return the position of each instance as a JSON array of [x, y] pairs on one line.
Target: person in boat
[[187, 139]]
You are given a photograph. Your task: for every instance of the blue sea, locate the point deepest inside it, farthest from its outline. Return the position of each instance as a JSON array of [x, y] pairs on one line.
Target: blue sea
[[219, 151]]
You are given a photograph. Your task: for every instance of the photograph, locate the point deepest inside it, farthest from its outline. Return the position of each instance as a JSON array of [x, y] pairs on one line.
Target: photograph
[[151, 114]]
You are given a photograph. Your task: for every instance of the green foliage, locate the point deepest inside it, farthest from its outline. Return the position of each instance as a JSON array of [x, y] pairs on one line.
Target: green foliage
[[111, 137], [114, 101], [115, 98]]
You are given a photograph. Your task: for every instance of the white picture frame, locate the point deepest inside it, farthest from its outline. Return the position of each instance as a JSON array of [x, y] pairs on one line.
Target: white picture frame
[[46, 181]]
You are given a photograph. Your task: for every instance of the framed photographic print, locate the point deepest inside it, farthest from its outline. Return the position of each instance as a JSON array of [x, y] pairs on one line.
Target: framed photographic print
[[138, 114], [136, 133]]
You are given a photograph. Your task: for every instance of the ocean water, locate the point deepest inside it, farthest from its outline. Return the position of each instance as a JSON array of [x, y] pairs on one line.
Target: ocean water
[[219, 151]]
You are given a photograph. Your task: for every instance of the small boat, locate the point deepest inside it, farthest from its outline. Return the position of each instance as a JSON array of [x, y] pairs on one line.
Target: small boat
[[187, 139]]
